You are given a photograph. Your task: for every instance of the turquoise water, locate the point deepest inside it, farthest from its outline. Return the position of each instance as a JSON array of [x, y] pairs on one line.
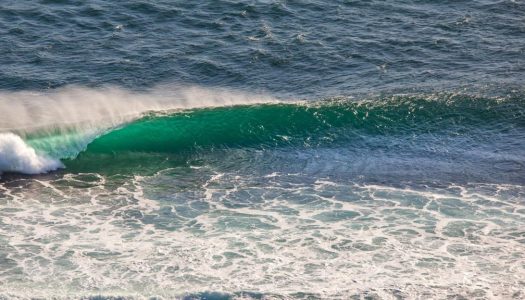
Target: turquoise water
[[262, 150]]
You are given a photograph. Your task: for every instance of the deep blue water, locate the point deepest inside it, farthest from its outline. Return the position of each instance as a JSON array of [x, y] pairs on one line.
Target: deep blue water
[[262, 149], [303, 48]]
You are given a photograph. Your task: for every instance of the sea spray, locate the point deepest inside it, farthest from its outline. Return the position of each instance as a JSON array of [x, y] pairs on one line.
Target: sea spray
[[104, 107]]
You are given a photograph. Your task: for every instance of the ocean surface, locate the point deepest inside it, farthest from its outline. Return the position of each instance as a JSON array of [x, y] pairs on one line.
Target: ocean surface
[[262, 149]]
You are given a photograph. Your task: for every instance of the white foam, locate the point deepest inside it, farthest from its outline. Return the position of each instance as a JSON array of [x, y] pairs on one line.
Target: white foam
[[103, 244], [17, 156]]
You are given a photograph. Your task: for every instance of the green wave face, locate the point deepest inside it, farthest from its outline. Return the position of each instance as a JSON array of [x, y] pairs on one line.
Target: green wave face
[[166, 138], [281, 124]]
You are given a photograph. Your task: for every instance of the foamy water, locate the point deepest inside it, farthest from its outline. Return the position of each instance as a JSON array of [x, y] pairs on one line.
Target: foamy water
[[86, 234], [17, 156]]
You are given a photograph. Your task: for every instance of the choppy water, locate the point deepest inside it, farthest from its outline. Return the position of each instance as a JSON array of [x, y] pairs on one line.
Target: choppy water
[[262, 149]]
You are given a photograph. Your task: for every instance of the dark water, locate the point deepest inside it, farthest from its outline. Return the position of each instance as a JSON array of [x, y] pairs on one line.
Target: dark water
[[262, 149], [305, 48]]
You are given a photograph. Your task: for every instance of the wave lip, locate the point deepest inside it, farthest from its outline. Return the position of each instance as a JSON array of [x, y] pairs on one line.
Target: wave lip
[[17, 156], [105, 107]]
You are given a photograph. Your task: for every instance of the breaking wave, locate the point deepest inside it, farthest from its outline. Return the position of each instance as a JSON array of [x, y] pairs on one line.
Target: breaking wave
[[118, 122]]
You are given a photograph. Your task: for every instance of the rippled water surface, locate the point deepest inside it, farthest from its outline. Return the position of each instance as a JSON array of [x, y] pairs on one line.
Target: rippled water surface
[[306, 48]]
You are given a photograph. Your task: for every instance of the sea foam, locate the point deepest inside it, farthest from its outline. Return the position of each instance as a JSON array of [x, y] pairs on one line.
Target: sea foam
[[17, 156]]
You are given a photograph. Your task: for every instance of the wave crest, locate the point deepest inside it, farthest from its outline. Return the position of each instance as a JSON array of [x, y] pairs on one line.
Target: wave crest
[[105, 107]]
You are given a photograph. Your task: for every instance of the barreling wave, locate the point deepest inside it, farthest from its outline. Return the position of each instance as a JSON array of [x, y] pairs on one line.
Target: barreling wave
[[183, 131], [298, 124]]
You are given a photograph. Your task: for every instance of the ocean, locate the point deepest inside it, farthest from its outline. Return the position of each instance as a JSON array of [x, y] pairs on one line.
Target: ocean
[[262, 149]]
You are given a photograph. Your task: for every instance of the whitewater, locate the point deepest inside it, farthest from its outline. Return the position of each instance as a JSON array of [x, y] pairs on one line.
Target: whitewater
[[263, 150]]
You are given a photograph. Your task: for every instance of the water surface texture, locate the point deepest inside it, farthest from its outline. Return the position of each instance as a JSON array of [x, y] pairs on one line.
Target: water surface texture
[[262, 149]]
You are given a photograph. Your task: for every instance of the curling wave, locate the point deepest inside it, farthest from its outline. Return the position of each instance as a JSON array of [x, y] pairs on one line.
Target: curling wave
[[17, 156], [183, 132]]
